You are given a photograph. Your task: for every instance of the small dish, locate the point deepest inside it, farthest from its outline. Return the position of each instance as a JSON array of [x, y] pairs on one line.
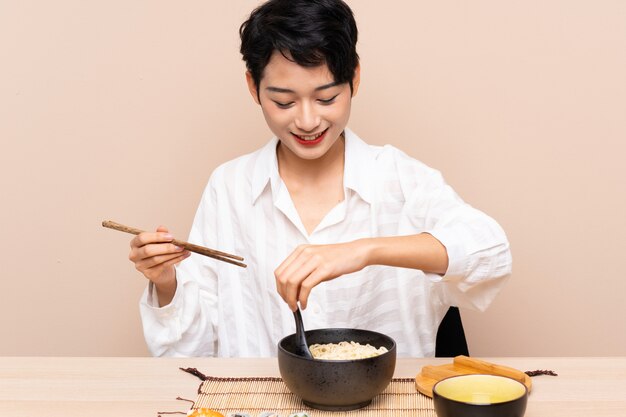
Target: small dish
[[480, 395]]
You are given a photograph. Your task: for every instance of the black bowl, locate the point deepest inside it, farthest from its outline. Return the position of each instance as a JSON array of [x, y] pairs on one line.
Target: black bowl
[[337, 385], [480, 396]]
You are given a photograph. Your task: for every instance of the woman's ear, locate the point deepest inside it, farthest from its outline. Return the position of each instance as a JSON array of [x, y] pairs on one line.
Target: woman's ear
[[252, 87], [356, 80]]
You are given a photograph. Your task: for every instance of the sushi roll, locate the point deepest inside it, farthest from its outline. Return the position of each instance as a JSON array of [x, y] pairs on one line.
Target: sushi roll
[[204, 412]]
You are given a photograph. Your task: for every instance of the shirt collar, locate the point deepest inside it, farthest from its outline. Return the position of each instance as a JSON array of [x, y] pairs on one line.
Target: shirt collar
[[358, 168], [265, 170], [359, 164]]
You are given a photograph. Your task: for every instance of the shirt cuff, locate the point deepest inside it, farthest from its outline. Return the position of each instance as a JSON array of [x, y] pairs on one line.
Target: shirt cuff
[[151, 302], [457, 262]]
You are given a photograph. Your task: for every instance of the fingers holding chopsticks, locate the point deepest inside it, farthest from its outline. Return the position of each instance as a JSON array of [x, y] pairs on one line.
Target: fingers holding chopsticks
[[166, 237], [154, 255]]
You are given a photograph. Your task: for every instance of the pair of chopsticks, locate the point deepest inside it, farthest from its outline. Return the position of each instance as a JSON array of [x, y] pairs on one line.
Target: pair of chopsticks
[[211, 253]]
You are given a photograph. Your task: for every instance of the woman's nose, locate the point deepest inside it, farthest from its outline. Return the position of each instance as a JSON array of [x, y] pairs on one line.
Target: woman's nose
[[307, 119]]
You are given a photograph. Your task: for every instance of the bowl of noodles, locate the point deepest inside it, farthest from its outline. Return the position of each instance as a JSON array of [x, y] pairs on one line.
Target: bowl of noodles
[[349, 367]]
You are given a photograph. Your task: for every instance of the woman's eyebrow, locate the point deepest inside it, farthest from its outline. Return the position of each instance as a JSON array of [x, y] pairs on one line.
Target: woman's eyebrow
[[279, 90], [329, 85], [290, 91]]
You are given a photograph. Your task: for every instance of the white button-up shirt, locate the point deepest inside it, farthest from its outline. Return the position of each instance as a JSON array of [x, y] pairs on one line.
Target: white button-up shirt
[[223, 310]]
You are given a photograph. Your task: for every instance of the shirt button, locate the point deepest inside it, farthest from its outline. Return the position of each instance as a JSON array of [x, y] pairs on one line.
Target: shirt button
[[316, 309]]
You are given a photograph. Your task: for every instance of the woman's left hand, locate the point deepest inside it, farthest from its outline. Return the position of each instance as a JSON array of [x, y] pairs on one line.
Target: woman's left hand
[[309, 265]]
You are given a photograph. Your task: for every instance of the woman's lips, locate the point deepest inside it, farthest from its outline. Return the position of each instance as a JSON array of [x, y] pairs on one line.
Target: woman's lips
[[310, 139]]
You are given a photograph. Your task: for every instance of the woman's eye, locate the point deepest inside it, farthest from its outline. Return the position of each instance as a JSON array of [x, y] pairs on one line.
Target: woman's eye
[[283, 105], [328, 101]]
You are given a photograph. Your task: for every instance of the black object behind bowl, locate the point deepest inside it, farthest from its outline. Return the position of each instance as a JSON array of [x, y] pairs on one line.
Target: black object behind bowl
[[337, 385]]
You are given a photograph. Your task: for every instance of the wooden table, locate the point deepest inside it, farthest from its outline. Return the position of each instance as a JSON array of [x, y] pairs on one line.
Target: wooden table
[[88, 387]]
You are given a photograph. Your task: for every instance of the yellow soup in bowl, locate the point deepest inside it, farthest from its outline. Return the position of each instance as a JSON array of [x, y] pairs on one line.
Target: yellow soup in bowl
[[481, 389]]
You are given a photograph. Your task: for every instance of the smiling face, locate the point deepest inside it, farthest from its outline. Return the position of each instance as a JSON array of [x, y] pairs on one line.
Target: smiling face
[[303, 106]]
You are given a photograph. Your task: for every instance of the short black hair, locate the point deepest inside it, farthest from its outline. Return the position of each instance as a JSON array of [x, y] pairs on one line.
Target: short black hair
[[308, 32]]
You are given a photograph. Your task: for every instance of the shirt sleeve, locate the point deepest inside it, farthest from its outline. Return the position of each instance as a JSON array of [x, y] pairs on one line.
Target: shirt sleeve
[[188, 325], [479, 257]]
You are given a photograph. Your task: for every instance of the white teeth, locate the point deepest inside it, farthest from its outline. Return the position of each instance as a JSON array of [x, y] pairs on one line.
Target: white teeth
[[311, 137]]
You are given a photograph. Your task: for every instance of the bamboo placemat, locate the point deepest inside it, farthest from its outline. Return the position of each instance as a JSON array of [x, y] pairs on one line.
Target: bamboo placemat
[[256, 395]]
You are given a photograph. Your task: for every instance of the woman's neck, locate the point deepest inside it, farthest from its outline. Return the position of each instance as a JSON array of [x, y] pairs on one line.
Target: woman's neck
[[303, 171]]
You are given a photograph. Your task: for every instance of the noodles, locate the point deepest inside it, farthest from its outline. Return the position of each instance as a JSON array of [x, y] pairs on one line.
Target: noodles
[[345, 350]]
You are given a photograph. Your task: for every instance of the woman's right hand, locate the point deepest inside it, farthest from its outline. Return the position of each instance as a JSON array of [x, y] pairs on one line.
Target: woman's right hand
[[154, 255]]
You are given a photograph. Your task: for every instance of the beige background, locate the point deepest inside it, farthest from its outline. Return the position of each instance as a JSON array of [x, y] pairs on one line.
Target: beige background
[[121, 109]]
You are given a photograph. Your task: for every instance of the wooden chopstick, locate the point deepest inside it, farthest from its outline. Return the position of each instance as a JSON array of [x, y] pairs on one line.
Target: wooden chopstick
[[211, 253]]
